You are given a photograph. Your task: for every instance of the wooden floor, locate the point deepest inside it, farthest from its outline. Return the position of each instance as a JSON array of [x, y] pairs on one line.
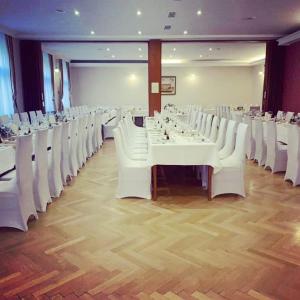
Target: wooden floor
[[90, 245]]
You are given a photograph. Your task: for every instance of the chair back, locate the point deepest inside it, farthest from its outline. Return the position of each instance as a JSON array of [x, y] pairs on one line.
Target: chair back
[[229, 139], [24, 117], [271, 139], [121, 155], [39, 116], [208, 125], [203, 123], [33, 117], [259, 133], [16, 119], [293, 147], [65, 151], [289, 116], [214, 129], [24, 164], [221, 134], [279, 114], [240, 143], [199, 121]]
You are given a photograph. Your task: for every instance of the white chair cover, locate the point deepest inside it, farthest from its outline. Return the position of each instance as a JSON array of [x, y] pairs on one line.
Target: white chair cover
[[16, 119], [230, 179], [65, 153], [229, 140], [250, 144], [208, 125], [134, 178], [90, 132], [203, 123], [17, 204], [289, 116], [276, 152], [293, 151], [40, 176], [33, 117], [24, 117], [73, 160], [221, 134], [260, 144], [54, 159], [214, 129]]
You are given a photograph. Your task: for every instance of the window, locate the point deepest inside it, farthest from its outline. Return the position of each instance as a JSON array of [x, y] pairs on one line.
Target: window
[[48, 87], [66, 89], [6, 95]]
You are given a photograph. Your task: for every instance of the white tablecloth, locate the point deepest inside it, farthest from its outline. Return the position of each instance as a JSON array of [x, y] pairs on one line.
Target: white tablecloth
[[181, 150], [7, 158]]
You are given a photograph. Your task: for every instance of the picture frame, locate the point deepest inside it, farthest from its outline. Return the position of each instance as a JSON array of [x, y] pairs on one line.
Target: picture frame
[[168, 85]]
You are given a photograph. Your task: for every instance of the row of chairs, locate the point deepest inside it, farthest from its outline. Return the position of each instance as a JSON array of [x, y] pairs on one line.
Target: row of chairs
[[31, 186]]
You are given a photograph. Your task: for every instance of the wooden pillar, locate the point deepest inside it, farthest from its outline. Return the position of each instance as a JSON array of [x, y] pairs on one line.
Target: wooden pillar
[[154, 76], [272, 91], [32, 74]]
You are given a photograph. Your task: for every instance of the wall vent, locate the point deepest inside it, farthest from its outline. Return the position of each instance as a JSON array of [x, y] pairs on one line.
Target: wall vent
[[167, 27], [172, 14]]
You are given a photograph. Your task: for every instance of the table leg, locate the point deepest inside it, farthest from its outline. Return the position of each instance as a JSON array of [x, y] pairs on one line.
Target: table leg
[[154, 178], [210, 173]]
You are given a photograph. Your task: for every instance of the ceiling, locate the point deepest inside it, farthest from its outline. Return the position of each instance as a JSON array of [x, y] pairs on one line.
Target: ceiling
[[174, 53], [118, 19]]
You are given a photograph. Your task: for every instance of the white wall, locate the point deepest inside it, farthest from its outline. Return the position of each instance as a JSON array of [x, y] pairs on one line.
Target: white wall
[[258, 82], [208, 86], [110, 85]]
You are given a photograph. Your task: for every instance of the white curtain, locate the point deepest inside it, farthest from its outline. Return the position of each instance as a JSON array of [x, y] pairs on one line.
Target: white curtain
[[48, 88], [6, 94], [66, 91]]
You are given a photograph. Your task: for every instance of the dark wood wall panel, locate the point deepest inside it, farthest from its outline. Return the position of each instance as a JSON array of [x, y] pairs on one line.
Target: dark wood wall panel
[[154, 74], [32, 74]]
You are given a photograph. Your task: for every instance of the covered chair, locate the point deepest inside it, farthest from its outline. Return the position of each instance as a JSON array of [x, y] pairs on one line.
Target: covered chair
[[260, 143], [289, 115], [54, 158], [203, 123], [230, 179], [73, 158], [214, 130], [229, 140], [221, 134], [208, 125], [24, 117], [16, 194], [40, 182], [276, 152], [134, 177], [65, 153], [250, 143], [293, 152]]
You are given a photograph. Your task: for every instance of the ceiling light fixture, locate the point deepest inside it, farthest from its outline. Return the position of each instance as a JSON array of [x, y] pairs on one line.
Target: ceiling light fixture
[[60, 11], [174, 49], [210, 49], [200, 55], [107, 49], [171, 61], [140, 56], [76, 12], [199, 12], [139, 32], [185, 32], [140, 49], [92, 32], [139, 13], [113, 56]]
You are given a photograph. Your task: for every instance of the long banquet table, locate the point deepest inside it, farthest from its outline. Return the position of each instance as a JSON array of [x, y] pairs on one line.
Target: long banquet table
[[180, 150]]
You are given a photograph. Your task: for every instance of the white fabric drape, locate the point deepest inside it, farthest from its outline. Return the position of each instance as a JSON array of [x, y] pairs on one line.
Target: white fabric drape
[[48, 88], [6, 94], [66, 93]]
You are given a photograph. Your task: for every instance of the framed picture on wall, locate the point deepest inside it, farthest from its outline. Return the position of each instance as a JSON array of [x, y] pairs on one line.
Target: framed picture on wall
[[168, 85]]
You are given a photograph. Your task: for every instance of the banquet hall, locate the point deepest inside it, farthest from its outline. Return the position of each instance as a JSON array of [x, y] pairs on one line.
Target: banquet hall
[[150, 149]]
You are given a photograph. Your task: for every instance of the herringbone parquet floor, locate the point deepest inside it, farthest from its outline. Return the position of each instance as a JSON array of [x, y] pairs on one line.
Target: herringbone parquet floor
[[90, 245]]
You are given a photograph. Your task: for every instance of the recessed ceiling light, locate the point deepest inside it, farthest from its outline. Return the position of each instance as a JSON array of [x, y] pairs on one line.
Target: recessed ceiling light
[[107, 49], [139, 32], [140, 49], [76, 12], [113, 56], [174, 49], [200, 55], [185, 32], [141, 56], [139, 13], [210, 49], [60, 11], [199, 12], [92, 32]]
